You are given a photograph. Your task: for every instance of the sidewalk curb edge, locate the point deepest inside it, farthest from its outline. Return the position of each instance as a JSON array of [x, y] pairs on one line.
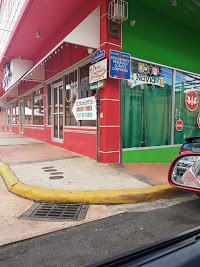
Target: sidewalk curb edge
[[119, 196]]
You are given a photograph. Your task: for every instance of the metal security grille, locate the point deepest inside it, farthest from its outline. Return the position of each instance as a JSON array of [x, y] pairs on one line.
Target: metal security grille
[[53, 211]]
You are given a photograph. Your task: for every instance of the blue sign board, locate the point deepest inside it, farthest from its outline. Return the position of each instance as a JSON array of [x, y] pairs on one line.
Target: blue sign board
[[120, 65], [98, 55]]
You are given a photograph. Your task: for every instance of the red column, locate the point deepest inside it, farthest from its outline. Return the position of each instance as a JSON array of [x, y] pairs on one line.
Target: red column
[[109, 96]]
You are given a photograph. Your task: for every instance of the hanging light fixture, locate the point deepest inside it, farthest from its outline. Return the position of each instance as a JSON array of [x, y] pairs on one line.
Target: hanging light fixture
[[90, 50]]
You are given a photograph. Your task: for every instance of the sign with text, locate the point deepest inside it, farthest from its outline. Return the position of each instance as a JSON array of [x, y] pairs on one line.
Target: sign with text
[[120, 65], [97, 86], [144, 73], [98, 55], [98, 71], [139, 79], [85, 109]]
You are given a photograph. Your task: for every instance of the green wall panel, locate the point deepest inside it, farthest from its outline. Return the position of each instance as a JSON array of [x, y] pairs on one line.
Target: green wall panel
[[166, 35], [157, 155], [162, 34]]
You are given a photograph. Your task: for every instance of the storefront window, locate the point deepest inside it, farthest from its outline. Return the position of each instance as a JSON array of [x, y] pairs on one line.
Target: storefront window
[[28, 109], [77, 90], [146, 106], [15, 113], [49, 104], [38, 107], [8, 112], [187, 108], [3, 111], [71, 89], [84, 91]]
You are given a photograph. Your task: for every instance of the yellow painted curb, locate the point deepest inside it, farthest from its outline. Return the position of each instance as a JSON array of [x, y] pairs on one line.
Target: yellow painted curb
[[8, 176], [120, 196]]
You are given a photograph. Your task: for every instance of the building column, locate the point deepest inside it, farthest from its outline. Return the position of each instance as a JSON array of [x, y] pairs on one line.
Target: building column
[[109, 123]]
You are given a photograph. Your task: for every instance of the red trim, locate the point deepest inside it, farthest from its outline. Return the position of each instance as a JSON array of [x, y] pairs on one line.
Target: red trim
[[196, 191], [53, 26], [78, 129]]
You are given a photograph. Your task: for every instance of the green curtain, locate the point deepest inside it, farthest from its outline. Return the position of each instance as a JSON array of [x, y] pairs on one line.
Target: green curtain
[[157, 115], [132, 123], [189, 118], [146, 115]]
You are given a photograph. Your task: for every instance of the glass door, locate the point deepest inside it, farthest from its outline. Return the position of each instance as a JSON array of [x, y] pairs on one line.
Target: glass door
[[21, 115], [57, 127], [10, 117]]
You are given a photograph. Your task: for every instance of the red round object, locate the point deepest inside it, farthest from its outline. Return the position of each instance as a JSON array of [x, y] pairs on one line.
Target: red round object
[[198, 120], [179, 125], [191, 100]]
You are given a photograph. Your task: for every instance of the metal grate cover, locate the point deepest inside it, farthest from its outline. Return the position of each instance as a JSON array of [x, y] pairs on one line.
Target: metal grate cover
[[56, 212]]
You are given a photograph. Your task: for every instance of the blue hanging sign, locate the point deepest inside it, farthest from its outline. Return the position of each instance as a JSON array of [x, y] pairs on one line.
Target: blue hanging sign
[[120, 65], [98, 55]]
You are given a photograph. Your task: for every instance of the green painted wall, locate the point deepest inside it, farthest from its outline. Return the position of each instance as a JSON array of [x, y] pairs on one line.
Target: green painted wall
[[162, 34], [166, 35], [161, 155]]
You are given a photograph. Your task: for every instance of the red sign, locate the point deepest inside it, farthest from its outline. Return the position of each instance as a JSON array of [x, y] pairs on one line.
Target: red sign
[[179, 125], [191, 100], [198, 120]]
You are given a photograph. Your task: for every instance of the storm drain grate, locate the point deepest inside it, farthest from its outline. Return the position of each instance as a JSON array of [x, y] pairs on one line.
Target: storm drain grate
[[53, 211]]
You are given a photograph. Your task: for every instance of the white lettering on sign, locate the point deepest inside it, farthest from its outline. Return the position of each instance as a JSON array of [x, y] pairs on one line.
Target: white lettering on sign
[[191, 100], [97, 85], [119, 65]]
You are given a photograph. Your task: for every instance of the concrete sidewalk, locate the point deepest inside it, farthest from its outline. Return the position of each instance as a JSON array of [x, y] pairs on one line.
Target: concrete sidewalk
[[45, 173]]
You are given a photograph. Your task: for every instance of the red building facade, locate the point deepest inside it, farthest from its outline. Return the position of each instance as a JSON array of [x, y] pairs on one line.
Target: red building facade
[[45, 70]]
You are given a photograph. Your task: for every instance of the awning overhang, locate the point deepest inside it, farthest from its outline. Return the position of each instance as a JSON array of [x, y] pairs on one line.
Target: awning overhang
[[91, 38]]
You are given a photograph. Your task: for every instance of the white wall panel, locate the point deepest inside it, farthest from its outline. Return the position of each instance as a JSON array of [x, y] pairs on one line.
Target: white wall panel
[[87, 33]]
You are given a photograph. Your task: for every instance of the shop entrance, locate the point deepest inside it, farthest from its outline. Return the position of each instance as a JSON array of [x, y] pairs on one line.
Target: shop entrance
[[21, 116], [57, 112]]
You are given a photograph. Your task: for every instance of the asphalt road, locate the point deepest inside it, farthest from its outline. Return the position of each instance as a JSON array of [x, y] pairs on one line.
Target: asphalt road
[[95, 241]]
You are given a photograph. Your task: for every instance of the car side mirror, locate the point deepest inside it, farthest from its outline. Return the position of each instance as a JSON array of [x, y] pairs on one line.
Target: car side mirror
[[184, 172]]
